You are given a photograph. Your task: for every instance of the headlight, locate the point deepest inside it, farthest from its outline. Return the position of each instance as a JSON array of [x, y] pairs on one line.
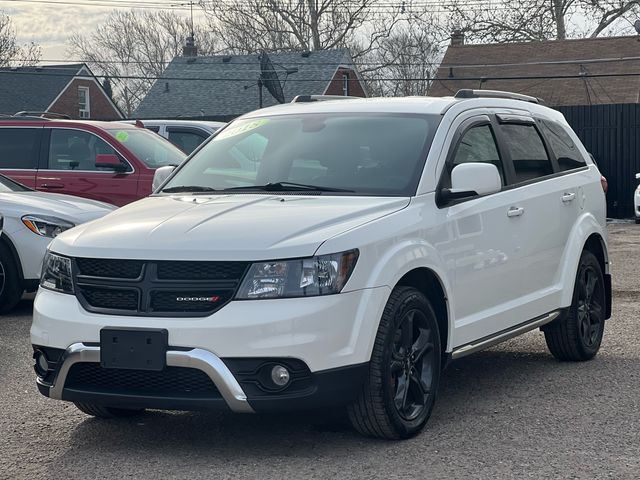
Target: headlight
[[56, 273], [303, 277], [46, 226]]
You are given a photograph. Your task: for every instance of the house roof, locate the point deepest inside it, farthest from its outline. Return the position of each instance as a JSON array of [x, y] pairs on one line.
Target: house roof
[[33, 88], [584, 59], [186, 88]]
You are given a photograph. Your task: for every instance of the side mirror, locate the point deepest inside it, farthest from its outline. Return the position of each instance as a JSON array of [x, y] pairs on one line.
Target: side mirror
[[110, 161], [160, 176], [471, 179]]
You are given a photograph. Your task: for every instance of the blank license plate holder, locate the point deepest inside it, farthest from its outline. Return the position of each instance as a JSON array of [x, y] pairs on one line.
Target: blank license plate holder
[[133, 348]]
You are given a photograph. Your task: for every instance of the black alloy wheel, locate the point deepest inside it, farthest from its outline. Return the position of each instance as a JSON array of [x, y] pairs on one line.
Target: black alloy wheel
[[577, 334], [590, 305], [2, 279], [411, 368], [398, 396]]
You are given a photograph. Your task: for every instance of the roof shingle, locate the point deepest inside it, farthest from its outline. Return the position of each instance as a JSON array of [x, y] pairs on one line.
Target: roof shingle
[[33, 88], [214, 88], [584, 58]]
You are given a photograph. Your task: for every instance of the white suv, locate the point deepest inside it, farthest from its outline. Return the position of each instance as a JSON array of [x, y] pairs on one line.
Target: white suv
[[332, 253]]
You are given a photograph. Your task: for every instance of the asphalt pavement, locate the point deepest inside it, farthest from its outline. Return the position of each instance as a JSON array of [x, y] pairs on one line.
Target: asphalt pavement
[[508, 412]]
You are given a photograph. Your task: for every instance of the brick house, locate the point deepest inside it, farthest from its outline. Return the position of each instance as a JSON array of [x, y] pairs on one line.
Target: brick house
[[595, 70], [71, 90], [222, 87]]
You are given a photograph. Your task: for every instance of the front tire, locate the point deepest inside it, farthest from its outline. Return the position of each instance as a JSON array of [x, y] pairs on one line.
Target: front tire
[[400, 391], [577, 335], [10, 286], [100, 411]]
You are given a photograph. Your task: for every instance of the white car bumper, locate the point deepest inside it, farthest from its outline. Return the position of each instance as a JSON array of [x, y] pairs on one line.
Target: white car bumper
[[325, 342], [325, 332]]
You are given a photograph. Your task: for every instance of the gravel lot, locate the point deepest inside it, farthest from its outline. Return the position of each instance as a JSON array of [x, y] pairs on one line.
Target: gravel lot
[[509, 412]]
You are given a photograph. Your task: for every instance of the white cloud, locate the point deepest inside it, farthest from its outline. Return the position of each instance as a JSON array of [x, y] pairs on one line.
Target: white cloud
[[51, 25]]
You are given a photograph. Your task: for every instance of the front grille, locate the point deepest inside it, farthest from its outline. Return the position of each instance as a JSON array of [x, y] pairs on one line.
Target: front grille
[[111, 298], [156, 288], [178, 301], [94, 267], [200, 270], [172, 381]]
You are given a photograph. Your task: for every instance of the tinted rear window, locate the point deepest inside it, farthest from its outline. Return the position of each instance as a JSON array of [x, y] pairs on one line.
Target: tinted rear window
[[530, 159], [568, 155], [19, 147]]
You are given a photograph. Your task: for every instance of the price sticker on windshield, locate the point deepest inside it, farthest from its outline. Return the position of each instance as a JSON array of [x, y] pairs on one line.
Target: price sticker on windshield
[[122, 136], [240, 129]]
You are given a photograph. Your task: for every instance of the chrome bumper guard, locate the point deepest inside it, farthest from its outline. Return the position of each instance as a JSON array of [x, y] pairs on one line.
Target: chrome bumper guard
[[197, 358]]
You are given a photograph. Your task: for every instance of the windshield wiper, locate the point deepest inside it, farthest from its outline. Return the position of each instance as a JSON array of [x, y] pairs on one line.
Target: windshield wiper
[[289, 186], [189, 188]]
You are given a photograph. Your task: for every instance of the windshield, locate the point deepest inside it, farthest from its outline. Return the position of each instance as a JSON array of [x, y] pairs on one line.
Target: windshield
[[362, 154], [153, 150], [8, 185]]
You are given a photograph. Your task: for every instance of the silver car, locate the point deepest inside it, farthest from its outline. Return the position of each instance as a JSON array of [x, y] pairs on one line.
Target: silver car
[[31, 220]]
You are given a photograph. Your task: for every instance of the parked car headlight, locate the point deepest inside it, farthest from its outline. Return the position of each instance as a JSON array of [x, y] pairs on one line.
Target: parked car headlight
[[46, 226], [303, 277], [56, 273]]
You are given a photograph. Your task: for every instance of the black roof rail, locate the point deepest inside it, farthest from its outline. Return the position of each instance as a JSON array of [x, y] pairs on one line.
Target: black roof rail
[[470, 93], [46, 115], [319, 98]]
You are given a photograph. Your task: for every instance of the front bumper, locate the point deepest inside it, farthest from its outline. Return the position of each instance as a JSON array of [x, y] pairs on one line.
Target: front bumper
[[327, 342], [306, 390], [325, 332]]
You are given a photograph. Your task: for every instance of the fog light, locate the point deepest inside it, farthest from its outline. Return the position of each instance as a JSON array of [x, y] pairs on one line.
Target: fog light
[[280, 375], [42, 365]]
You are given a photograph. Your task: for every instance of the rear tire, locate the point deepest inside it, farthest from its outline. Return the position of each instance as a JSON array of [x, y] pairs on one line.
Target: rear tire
[[577, 335], [637, 220], [10, 285], [101, 411], [400, 391]]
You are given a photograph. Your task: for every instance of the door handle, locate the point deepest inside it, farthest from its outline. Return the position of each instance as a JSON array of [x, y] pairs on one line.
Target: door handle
[[52, 185], [568, 197], [515, 211]]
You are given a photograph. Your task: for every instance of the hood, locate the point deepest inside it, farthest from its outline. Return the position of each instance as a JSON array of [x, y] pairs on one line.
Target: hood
[[229, 227], [68, 207]]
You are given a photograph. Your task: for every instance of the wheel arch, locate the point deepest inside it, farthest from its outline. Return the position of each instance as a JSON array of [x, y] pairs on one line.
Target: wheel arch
[[589, 235], [8, 243], [429, 283], [596, 245]]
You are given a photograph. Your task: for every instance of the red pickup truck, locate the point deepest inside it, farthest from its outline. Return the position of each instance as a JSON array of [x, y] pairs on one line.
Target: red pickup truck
[[106, 161]]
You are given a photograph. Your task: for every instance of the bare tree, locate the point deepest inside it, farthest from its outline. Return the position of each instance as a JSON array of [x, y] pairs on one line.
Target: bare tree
[[11, 53], [525, 20], [249, 26], [133, 48], [406, 60]]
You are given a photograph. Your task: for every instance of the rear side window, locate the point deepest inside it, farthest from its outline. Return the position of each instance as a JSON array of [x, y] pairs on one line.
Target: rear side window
[[19, 147], [563, 147], [530, 159]]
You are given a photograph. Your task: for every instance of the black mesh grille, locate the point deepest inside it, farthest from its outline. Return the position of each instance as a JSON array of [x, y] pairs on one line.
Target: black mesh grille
[[180, 301], [172, 381], [99, 267], [149, 287], [110, 298], [200, 270]]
